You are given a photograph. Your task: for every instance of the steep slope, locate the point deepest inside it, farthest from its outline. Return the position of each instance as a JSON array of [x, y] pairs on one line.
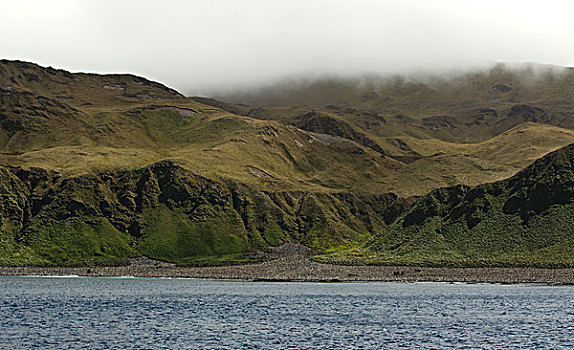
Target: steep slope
[[166, 212], [522, 221], [96, 169]]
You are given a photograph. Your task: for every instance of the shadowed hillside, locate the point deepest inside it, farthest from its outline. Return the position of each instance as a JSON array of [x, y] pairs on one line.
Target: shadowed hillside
[[101, 168], [525, 220], [166, 212]]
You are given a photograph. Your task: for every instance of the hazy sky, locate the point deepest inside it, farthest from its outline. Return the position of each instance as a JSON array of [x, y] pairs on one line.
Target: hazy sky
[[196, 46]]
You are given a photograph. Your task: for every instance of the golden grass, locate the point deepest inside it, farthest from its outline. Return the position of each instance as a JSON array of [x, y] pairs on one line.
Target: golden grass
[[126, 122]]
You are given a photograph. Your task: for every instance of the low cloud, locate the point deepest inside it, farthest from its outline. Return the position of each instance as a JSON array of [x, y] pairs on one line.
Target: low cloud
[[212, 45]]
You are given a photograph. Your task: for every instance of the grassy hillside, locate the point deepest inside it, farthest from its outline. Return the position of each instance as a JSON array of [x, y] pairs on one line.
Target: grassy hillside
[[464, 107], [468, 99], [80, 89], [166, 212], [96, 169], [525, 220], [140, 122], [472, 164], [467, 128], [78, 123]]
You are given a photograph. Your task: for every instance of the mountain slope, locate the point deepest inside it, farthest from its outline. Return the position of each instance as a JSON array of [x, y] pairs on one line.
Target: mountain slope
[[467, 128], [75, 123], [97, 169], [464, 108], [525, 220], [166, 212], [81, 89]]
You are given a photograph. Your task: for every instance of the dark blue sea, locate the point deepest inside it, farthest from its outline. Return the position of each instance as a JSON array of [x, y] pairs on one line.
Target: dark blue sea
[[140, 313]]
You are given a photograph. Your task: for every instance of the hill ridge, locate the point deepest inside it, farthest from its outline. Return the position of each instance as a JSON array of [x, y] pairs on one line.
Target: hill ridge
[[520, 221]]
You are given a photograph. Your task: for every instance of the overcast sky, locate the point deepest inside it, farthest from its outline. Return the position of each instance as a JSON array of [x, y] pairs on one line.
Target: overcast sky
[[196, 46]]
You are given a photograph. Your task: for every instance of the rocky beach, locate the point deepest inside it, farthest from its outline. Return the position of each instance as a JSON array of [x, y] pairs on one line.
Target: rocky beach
[[301, 269]]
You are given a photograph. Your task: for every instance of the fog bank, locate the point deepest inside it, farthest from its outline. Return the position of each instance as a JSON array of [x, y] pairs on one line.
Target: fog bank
[[203, 46]]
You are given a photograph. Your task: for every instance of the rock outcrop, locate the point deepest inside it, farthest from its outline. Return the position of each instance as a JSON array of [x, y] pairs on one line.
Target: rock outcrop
[[167, 212]]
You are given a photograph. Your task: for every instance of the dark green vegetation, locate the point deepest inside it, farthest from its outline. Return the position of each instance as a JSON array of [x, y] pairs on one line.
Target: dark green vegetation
[[526, 220], [166, 212], [97, 169]]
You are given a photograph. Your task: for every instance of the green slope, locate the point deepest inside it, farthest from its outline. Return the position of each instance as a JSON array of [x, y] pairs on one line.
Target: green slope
[[525, 220], [167, 212]]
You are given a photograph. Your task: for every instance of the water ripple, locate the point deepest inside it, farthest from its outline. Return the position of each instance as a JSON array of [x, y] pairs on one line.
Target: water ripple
[[206, 314]]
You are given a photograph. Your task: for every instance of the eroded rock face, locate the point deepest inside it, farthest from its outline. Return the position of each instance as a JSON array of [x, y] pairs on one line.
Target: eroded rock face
[[163, 207], [548, 181], [525, 220], [324, 124], [529, 113], [15, 206]]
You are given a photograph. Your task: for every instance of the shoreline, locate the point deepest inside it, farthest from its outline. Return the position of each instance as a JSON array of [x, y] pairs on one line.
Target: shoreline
[[304, 270]]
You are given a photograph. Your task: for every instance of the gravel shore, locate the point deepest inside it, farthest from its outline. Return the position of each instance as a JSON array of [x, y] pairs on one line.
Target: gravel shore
[[304, 270]]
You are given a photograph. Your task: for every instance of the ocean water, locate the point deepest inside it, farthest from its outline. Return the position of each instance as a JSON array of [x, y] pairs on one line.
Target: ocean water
[[140, 313]]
